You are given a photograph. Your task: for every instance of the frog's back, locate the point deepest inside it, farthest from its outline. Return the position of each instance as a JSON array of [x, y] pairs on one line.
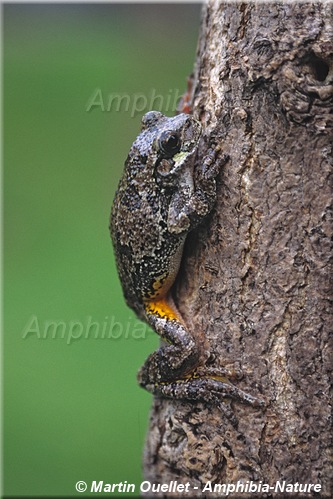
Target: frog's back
[[147, 255], [147, 252]]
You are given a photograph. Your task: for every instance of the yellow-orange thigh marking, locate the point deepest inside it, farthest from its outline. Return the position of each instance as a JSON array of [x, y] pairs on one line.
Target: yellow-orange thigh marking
[[163, 309]]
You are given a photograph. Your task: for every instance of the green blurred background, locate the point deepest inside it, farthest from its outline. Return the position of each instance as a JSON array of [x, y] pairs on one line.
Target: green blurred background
[[72, 409]]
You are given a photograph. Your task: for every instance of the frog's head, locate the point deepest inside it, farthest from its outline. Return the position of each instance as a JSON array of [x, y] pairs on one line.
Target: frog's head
[[174, 142]]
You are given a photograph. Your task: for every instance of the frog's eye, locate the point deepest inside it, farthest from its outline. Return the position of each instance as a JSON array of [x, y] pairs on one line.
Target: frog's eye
[[169, 143]]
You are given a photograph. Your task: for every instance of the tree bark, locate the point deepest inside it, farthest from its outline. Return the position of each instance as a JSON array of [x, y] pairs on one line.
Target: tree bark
[[255, 279]]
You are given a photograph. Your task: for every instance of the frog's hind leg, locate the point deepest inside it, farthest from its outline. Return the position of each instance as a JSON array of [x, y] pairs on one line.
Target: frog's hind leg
[[174, 359], [212, 391], [173, 371]]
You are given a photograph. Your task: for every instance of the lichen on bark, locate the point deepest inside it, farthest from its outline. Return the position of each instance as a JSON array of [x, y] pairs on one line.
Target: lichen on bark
[[256, 280]]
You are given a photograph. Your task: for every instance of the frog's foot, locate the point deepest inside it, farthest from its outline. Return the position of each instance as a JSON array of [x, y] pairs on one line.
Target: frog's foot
[[219, 373], [212, 163], [210, 390]]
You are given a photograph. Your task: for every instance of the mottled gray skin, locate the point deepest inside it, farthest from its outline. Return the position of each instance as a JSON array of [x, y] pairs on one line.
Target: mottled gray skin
[[164, 193], [153, 208]]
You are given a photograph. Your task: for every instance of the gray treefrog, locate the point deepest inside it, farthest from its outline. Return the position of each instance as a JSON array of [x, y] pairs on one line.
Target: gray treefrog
[[164, 193]]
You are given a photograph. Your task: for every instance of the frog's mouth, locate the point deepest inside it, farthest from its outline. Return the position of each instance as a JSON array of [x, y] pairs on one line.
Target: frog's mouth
[[173, 166], [170, 168]]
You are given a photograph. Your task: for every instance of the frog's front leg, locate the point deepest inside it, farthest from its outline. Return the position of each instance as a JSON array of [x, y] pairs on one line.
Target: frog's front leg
[[173, 371], [206, 172], [189, 208]]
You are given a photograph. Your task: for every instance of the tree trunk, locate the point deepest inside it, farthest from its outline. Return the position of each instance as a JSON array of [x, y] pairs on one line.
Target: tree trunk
[[255, 279]]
